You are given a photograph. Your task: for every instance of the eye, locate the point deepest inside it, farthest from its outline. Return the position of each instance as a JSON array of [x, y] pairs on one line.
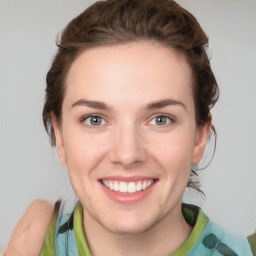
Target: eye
[[94, 120], [161, 120]]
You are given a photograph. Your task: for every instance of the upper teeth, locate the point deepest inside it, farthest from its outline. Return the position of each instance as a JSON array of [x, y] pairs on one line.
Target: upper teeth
[[130, 187]]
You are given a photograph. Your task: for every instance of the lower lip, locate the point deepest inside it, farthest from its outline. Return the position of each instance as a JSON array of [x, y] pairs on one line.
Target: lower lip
[[126, 198]]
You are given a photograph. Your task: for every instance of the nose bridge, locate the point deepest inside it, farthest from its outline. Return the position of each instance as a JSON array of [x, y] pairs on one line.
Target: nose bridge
[[128, 148]]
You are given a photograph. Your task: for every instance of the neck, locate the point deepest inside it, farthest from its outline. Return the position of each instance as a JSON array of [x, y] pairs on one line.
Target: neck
[[163, 238]]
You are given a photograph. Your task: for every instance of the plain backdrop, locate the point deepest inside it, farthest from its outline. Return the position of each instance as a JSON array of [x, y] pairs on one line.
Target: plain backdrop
[[29, 168]]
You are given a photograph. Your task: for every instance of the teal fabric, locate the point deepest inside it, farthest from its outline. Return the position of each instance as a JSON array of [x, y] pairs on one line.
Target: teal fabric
[[215, 241], [205, 239], [65, 241]]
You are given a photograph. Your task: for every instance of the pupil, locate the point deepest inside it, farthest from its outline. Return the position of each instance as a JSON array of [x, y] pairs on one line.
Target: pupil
[[95, 121], [161, 120]]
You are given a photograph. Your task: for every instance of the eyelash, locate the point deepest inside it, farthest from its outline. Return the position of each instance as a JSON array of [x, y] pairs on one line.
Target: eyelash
[[83, 119], [171, 120]]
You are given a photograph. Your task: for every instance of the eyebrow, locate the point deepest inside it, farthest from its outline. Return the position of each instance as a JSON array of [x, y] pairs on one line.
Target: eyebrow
[[164, 103], [91, 104], [150, 106]]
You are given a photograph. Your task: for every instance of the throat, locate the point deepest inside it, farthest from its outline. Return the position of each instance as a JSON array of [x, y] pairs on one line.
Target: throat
[[164, 238]]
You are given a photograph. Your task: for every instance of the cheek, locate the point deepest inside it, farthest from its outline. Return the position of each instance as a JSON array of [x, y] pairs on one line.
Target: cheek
[[82, 156], [83, 151], [174, 153]]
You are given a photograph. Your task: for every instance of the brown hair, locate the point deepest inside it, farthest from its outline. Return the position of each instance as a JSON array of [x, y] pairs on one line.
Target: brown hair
[[120, 21]]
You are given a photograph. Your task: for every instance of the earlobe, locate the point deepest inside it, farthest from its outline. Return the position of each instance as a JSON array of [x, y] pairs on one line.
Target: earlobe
[[201, 140], [59, 140]]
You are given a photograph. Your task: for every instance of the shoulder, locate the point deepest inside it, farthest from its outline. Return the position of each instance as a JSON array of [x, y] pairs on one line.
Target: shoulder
[[28, 236], [223, 241]]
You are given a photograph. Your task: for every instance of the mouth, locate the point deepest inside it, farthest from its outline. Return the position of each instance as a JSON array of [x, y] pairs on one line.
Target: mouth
[[131, 187]]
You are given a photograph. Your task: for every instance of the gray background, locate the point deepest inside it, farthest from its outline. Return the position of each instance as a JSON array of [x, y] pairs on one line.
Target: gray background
[[29, 168]]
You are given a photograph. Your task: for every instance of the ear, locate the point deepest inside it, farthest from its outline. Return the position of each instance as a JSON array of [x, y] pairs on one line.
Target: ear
[[201, 140], [59, 140]]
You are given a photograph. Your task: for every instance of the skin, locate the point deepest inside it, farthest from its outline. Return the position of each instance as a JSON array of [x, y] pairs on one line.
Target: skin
[[129, 142], [28, 236]]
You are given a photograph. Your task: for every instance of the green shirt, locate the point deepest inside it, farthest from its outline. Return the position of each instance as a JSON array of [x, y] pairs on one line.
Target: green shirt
[[65, 234]]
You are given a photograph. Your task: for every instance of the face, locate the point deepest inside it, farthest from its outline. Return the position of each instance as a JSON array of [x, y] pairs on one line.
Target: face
[[128, 134]]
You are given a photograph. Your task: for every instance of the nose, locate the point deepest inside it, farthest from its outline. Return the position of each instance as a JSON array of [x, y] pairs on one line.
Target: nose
[[128, 147]]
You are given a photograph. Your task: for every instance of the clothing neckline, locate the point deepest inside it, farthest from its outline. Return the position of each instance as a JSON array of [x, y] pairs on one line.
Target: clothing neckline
[[192, 214]]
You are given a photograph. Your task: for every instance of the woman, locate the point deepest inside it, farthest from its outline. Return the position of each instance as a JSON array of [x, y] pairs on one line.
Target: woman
[[128, 102]]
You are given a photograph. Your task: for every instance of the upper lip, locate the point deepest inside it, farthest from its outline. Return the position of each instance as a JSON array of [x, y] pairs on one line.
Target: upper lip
[[128, 178]]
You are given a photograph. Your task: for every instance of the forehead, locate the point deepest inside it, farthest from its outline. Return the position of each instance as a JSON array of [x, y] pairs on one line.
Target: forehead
[[141, 71]]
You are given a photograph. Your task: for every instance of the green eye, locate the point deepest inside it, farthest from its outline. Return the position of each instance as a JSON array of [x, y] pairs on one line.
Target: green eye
[[161, 120]]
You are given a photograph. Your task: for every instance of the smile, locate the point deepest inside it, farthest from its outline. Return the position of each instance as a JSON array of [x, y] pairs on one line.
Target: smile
[[127, 187]]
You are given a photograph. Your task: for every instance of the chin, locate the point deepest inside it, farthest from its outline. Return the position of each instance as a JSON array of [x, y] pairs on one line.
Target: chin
[[127, 229], [131, 225]]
